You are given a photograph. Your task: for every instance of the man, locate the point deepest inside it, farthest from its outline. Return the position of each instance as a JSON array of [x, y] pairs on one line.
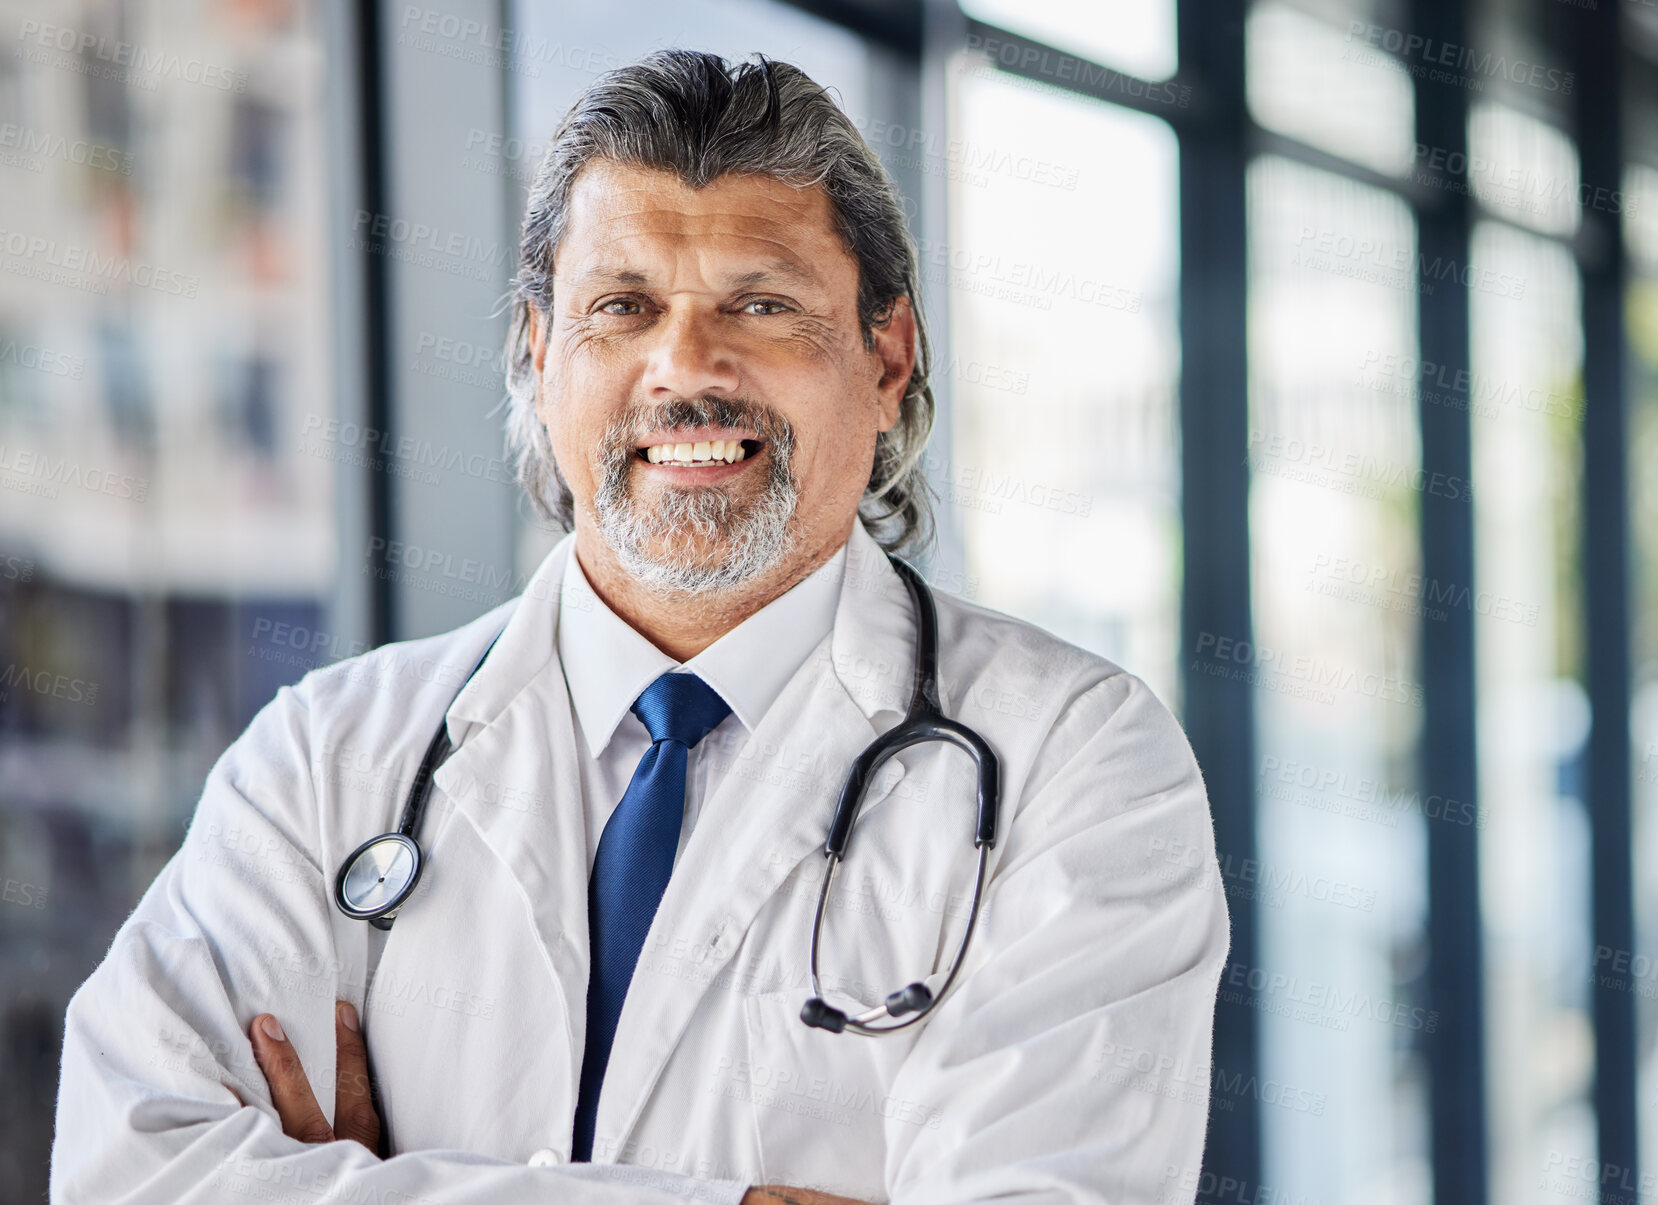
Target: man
[[594, 994]]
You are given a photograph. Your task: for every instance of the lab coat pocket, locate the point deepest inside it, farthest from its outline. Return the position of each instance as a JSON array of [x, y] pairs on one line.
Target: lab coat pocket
[[822, 1102]]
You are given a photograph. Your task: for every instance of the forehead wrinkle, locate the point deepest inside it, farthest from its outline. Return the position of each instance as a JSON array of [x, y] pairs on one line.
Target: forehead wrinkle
[[609, 274], [711, 205], [778, 269], [618, 201], [774, 269], [632, 233]]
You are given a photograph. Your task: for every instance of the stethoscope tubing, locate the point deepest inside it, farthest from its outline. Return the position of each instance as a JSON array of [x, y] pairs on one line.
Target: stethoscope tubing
[[924, 721], [414, 810], [862, 1022]]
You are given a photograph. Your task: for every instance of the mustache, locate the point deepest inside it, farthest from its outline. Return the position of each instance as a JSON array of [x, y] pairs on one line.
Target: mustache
[[686, 413]]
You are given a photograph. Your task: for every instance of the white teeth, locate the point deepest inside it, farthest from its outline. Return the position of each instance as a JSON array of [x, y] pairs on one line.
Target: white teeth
[[707, 451]]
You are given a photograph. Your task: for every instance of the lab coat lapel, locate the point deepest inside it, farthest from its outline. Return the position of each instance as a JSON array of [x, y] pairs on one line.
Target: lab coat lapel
[[771, 809], [516, 779]]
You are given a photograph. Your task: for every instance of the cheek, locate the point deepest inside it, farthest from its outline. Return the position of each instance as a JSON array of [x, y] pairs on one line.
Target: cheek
[[842, 422], [573, 448], [840, 462], [575, 410], [555, 416]]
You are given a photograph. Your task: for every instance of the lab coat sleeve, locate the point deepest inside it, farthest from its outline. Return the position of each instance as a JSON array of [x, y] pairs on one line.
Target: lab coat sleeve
[[1071, 1062], [160, 1098]]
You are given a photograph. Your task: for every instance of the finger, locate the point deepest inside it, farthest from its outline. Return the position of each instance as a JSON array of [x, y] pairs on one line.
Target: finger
[[781, 1194], [354, 1115], [291, 1092]]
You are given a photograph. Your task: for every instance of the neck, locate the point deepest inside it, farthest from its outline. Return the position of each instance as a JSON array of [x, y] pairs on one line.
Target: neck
[[683, 624]]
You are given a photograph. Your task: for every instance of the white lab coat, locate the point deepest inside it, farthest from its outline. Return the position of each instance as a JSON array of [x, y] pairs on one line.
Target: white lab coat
[[1070, 1063]]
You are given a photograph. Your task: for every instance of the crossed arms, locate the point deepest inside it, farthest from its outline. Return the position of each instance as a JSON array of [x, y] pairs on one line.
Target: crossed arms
[[1092, 942]]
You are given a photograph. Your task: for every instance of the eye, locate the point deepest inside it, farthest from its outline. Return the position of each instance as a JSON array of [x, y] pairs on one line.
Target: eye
[[606, 307], [780, 307]]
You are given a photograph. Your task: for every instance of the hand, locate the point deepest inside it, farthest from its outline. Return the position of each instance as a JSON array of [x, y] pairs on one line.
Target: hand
[[354, 1115]]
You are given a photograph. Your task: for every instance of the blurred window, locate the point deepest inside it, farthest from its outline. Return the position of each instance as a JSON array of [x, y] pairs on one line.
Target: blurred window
[[1063, 471], [1526, 404], [167, 535], [1340, 889], [1136, 36], [1329, 85], [1523, 169]]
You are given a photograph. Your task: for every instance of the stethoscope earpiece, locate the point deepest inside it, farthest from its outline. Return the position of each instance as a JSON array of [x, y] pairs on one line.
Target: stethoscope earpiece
[[913, 999], [819, 1014]]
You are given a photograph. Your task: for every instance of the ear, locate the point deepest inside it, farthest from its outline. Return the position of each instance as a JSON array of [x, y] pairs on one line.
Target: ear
[[895, 353], [538, 338]]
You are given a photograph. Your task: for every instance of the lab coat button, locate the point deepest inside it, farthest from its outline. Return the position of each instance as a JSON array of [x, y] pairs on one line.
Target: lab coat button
[[545, 1157]]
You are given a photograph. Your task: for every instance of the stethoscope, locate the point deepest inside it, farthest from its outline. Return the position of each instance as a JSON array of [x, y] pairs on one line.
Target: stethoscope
[[380, 875]]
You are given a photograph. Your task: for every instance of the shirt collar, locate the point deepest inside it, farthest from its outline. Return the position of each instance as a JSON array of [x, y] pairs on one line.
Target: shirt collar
[[607, 664]]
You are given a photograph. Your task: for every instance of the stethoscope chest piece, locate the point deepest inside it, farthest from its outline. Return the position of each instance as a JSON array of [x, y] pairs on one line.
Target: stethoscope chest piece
[[376, 879], [381, 873]]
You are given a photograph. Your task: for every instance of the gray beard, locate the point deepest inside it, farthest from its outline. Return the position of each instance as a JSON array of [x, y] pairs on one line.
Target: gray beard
[[660, 549]]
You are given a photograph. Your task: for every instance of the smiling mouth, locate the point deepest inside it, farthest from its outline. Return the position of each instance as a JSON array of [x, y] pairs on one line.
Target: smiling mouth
[[703, 452]]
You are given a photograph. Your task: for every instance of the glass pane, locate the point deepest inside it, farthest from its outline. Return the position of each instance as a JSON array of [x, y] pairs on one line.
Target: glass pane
[[1523, 169], [1331, 89], [1340, 887], [1065, 354], [167, 534], [1640, 211], [1136, 36], [1526, 406]]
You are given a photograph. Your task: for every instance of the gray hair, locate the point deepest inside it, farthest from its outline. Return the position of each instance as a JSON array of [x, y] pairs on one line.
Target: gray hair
[[700, 117]]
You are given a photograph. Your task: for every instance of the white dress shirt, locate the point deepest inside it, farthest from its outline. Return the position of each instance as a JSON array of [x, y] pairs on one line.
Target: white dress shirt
[[607, 664]]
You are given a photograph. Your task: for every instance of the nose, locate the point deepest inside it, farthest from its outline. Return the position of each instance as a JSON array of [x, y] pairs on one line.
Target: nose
[[689, 357]]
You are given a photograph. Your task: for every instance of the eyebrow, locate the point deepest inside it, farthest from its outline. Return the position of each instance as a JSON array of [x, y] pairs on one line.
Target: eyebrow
[[775, 269]]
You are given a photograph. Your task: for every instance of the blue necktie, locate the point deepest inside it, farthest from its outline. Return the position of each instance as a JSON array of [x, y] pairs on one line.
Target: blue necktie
[[630, 872]]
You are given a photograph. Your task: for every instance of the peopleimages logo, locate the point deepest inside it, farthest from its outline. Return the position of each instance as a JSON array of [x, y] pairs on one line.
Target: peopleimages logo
[[1082, 74], [1450, 62], [1462, 389], [29, 471], [1358, 795], [43, 258], [30, 144], [1347, 471], [41, 359], [91, 46], [45, 683], [1324, 1004], [1224, 656]]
